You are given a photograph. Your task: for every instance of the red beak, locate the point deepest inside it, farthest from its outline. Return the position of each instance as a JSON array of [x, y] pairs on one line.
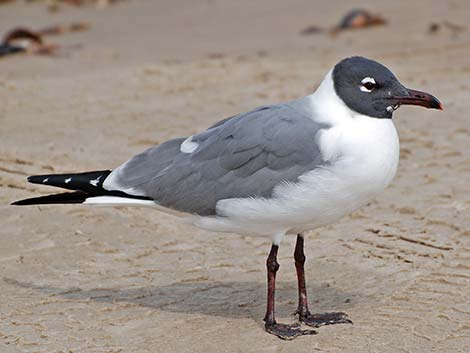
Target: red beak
[[422, 99]]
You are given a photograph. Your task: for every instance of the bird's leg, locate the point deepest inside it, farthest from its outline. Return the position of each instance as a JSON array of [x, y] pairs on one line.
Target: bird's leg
[[315, 320], [299, 257], [286, 332]]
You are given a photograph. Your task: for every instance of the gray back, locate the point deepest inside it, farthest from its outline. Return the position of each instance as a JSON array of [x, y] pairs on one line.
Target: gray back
[[246, 155]]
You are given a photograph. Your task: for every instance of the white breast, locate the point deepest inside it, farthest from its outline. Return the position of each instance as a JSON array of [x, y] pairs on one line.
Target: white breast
[[365, 154], [363, 150]]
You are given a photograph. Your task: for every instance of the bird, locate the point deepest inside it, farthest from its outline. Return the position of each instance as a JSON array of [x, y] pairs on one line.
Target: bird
[[277, 170]]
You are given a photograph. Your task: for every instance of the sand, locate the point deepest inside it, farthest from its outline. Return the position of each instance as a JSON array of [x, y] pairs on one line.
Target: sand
[[91, 279]]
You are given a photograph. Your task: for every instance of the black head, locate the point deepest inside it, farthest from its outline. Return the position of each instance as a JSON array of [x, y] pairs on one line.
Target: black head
[[369, 88]]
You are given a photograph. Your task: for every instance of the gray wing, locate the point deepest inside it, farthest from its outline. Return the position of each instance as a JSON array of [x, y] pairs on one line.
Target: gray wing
[[242, 156]]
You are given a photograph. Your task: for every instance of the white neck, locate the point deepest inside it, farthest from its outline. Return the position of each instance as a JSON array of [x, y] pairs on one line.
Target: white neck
[[326, 105]]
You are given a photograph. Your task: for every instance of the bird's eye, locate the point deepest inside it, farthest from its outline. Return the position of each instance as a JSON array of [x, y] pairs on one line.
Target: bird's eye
[[368, 84]]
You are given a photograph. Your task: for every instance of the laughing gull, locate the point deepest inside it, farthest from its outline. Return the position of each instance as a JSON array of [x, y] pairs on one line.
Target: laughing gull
[[275, 170]]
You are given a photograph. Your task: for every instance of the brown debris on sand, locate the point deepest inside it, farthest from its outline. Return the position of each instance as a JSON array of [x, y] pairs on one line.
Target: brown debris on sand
[[354, 19], [22, 39], [25, 40], [360, 19]]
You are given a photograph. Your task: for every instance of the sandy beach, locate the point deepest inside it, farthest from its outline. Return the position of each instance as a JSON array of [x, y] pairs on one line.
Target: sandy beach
[[131, 280]]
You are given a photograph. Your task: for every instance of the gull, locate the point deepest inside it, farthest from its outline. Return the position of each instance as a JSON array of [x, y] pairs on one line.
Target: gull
[[273, 171]]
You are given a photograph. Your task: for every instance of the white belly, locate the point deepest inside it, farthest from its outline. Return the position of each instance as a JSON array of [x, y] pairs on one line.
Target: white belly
[[363, 155]]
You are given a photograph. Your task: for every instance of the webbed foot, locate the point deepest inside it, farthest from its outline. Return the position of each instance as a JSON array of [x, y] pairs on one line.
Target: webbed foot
[[287, 332]]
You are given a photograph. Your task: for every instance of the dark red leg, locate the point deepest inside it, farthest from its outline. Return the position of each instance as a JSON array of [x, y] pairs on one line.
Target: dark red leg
[[286, 332], [299, 257], [315, 320]]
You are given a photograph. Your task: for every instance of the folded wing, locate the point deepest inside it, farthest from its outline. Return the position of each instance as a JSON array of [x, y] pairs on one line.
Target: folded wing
[[247, 155]]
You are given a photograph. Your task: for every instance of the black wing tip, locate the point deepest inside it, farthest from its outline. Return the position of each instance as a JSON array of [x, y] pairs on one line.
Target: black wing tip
[[62, 198], [24, 202], [87, 184], [30, 178], [90, 182], [40, 179]]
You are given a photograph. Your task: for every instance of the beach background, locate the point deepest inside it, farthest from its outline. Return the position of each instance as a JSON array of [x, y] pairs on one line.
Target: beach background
[[92, 279]]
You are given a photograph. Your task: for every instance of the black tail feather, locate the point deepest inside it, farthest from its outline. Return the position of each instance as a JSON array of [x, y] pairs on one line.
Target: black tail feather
[[65, 197]]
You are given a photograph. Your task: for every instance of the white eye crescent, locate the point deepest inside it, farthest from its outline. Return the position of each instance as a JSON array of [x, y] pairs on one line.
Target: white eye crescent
[[368, 84]]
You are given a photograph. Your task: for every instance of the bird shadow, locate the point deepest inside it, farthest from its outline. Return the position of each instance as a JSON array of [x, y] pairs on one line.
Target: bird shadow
[[229, 299]]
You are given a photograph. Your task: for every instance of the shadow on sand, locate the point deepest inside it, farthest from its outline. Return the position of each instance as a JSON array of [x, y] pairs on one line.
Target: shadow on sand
[[225, 299]]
